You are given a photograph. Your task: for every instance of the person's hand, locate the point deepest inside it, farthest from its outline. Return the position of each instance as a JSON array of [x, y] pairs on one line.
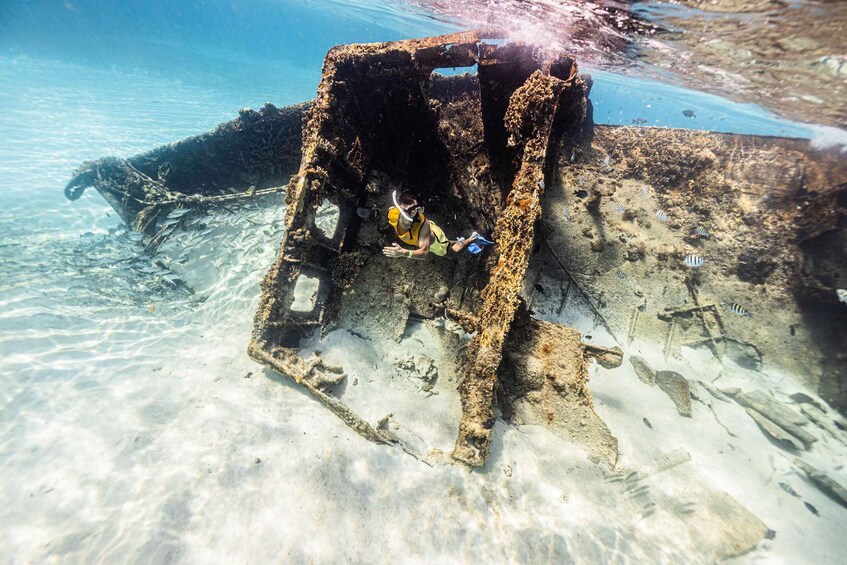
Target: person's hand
[[395, 250]]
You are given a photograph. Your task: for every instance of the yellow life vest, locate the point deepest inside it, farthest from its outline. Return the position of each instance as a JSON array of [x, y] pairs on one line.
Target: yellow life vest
[[438, 242]]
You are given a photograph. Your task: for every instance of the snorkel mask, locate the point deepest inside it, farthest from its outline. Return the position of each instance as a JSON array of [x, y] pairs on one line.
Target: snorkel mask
[[403, 213]]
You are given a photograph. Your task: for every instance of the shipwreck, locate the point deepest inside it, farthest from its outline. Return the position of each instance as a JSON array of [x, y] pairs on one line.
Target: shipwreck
[[609, 212]]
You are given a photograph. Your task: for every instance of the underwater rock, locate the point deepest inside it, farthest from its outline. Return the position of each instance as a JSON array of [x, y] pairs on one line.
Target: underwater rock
[[676, 387], [670, 382], [822, 420], [803, 398], [608, 358], [779, 414], [824, 482], [776, 432], [643, 370]]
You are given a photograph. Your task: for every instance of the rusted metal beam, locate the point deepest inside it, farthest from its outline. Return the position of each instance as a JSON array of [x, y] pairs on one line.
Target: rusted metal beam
[[529, 121]]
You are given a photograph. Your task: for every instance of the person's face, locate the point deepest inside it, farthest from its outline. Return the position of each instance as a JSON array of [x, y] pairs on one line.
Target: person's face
[[412, 210]]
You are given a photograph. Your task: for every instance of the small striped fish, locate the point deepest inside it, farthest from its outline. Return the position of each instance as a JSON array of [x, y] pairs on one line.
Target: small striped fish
[[737, 309], [620, 275], [580, 193], [662, 216], [842, 294], [619, 208], [694, 261], [701, 232]]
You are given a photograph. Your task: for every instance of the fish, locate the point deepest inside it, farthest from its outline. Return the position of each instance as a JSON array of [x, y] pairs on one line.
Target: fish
[[812, 509], [619, 208], [694, 261], [791, 329], [179, 212], [567, 215], [787, 488], [647, 423], [621, 275], [488, 424], [701, 232], [737, 309], [841, 293], [688, 113], [639, 492], [634, 477], [662, 216], [580, 193], [539, 288], [639, 121]]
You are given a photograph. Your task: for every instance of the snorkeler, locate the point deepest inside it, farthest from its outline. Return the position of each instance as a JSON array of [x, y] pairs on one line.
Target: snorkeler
[[413, 228]]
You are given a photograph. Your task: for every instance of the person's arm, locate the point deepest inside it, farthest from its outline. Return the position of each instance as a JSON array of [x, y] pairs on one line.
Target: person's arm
[[460, 245], [422, 252], [424, 240]]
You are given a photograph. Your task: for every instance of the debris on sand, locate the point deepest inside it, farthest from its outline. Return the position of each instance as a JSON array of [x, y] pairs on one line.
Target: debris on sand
[[777, 419], [676, 387], [824, 482]]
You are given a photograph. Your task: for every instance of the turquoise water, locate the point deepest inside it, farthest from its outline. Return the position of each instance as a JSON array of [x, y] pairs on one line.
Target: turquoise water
[[133, 426]]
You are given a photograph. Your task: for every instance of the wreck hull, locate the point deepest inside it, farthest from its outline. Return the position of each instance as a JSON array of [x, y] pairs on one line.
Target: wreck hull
[[744, 190], [774, 215], [257, 151]]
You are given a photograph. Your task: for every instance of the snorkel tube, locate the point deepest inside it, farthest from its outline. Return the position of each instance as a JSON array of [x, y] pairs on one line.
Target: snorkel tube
[[397, 205]]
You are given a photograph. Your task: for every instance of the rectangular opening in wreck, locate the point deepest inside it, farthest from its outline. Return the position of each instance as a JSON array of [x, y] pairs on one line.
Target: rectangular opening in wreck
[[305, 294], [326, 219]]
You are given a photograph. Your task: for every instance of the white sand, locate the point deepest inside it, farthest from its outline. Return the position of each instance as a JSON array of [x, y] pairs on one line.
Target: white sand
[[175, 454]]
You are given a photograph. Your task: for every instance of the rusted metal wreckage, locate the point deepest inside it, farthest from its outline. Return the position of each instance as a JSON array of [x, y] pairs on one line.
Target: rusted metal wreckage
[[375, 112], [480, 150]]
